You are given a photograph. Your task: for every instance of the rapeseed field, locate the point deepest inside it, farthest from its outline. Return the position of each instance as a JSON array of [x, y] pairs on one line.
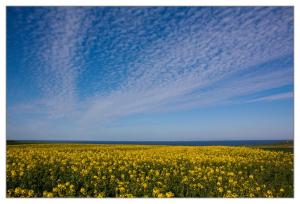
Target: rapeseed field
[[126, 171]]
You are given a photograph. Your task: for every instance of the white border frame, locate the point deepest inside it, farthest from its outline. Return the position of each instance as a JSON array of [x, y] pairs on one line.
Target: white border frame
[[5, 3]]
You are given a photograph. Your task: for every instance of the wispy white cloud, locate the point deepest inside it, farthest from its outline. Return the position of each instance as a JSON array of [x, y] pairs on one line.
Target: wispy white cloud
[[52, 59], [273, 97], [173, 68], [139, 63]]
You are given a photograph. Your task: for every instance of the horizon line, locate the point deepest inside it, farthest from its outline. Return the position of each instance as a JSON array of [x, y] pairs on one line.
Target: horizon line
[[149, 140]]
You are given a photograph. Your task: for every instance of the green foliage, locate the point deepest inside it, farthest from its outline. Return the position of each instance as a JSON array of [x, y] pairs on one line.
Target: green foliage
[[82, 170]]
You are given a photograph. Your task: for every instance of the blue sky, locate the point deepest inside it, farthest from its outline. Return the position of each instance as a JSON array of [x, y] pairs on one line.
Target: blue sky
[[150, 73]]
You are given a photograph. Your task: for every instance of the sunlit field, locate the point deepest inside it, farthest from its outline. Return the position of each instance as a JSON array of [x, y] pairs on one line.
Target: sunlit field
[[83, 170]]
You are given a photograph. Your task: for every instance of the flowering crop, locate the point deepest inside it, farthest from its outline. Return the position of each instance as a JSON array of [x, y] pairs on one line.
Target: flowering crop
[[82, 170]]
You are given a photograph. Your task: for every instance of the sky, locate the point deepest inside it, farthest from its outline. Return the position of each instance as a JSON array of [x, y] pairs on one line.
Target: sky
[[150, 73]]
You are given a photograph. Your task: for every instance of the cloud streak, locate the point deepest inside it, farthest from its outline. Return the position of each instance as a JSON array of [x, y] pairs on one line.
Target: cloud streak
[[280, 96], [95, 65]]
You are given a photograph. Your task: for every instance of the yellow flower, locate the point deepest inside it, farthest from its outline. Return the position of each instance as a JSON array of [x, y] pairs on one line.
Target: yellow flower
[[184, 180], [230, 174], [82, 190], [122, 189], [160, 195], [101, 195], [13, 173], [18, 190], [169, 195], [49, 195], [30, 193], [156, 191], [70, 170], [145, 185]]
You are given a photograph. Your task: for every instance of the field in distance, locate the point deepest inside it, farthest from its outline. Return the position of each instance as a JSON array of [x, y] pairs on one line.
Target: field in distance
[[93, 170]]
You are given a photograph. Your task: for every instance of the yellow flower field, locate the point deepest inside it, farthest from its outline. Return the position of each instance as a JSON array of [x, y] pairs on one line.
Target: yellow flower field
[[83, 170]]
